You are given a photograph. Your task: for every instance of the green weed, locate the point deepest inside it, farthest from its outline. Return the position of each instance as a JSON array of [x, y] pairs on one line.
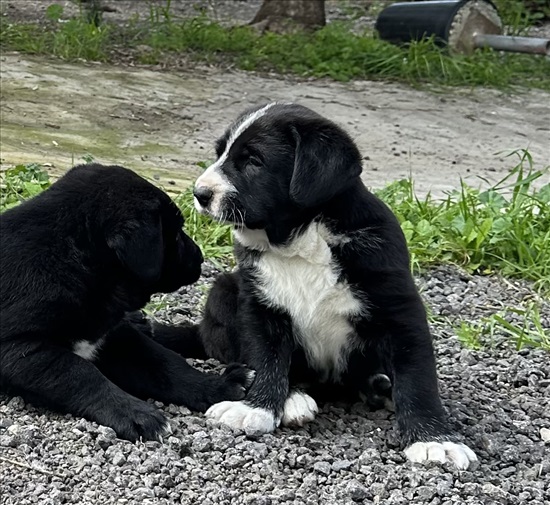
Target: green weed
[[469, 335], [76, 38], [518, 16], [520, 325], [337, 53], [20, 183], [216, 240], [505, 228]]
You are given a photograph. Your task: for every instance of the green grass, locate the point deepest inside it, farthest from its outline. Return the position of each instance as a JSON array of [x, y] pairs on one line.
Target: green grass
[[522, 326], [333, 51], [215, 240], [74, 39], [518, 16], [504, 229], [20, 183]]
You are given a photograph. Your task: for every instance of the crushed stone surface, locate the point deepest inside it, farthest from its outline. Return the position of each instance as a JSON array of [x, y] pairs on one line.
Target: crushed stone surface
[[497, 398]]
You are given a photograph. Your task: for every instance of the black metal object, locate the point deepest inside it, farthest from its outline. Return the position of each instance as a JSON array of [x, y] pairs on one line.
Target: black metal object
[[461, 25], [407, 21]]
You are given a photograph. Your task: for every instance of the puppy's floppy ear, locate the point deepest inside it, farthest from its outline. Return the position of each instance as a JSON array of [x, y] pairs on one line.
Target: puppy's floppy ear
[[139, 246], [325, 163]]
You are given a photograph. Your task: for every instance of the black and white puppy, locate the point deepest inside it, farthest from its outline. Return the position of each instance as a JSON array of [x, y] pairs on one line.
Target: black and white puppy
[[323, 288], [74, 261]]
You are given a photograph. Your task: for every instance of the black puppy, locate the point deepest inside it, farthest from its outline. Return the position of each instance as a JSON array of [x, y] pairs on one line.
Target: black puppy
[[323, 290], [73, 262]]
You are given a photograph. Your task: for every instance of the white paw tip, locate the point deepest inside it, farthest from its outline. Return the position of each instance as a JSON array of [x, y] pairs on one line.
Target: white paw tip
[[458, 454], [240, 416], [299, 409]]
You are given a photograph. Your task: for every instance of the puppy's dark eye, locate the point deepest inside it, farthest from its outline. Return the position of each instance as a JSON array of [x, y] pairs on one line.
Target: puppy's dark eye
[[255, 161], [247, 161]]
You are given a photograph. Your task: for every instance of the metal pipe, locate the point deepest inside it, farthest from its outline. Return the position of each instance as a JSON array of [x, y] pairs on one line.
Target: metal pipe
[[513, 44]]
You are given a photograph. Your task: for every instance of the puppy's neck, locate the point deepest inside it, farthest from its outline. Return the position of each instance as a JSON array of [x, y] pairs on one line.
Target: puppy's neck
[[305, 242], [325, 221], [257, 240]]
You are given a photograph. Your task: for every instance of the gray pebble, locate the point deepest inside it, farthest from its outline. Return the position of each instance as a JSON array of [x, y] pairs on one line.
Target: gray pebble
[[342, 464], [357, 491], [322, 467]]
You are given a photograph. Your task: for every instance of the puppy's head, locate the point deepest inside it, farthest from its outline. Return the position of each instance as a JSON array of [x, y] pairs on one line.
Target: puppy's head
[[141, 226], [275, 162]]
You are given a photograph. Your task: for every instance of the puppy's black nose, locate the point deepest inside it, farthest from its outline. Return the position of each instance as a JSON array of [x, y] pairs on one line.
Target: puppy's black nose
[[203, 195]]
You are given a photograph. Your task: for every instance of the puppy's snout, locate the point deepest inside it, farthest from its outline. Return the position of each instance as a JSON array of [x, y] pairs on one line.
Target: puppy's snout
[[203, 195]]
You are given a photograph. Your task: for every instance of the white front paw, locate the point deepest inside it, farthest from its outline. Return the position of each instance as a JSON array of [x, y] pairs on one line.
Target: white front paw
[[240, 416], [299, 409], [459, 454]]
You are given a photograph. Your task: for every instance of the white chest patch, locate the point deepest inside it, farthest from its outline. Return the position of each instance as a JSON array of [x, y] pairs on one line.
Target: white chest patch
[[86, 349], [302, 279]]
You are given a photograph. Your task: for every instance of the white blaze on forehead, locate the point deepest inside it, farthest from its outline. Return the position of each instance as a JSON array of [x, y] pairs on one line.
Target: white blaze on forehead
[[213, 178], [247, 121]]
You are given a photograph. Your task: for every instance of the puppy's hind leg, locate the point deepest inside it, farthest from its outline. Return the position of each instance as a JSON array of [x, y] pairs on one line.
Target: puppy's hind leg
[[146, 369], [219, 330], [216, 336], [57, 378], [371, 377], [420, 415]]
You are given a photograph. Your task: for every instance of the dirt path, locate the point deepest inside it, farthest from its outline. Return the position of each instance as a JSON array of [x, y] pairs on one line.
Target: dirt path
[[162, 123]]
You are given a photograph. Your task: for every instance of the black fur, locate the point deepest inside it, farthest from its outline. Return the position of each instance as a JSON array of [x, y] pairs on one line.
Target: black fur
[[75, 260], [289, 168]]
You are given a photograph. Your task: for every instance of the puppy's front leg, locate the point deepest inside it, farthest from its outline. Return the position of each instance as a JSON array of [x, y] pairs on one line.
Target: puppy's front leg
[[55, 377], [146, 369], [420, 415], [267, 349]]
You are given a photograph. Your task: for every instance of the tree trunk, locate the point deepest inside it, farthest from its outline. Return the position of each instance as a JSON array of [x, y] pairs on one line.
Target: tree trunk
[[285, 15]]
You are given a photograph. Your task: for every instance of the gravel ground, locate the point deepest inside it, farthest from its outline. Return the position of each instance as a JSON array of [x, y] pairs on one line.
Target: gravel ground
[[497, 398]]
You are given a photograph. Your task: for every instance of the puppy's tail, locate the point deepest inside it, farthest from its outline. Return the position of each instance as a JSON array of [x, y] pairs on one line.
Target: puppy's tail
[[184, 339]]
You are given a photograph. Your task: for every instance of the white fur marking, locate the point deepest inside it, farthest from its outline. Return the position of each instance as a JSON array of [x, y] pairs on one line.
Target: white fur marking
[[252, 239], [240, 416], [459, 454], [302, 279], [214, 179], [219, 184], [245, 123], [299, 409], [86, 349]]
